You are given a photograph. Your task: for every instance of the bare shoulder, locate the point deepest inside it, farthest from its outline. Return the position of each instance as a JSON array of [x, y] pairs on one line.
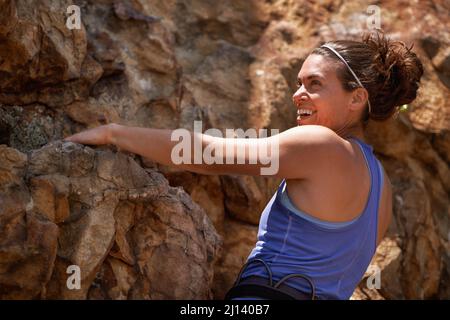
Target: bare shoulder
[[313, 134], [305, 150], [313, 141]]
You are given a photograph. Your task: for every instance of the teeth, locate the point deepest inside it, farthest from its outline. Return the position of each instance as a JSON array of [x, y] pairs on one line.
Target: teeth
[[304, 111]]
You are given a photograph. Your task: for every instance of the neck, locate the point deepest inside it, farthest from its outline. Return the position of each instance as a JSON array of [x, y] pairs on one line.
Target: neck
[[355, 130]]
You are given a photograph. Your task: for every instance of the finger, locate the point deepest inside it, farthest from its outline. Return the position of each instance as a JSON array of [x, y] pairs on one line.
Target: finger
[[72, 138]]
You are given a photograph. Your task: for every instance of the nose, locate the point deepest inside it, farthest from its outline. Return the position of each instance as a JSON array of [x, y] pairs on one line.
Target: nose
[[299, 96]]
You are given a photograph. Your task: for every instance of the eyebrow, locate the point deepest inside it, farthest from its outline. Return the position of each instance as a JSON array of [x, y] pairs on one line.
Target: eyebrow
[[314, 75]]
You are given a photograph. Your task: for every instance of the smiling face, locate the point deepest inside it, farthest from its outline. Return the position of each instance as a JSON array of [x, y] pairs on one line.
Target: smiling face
[[320, 91]]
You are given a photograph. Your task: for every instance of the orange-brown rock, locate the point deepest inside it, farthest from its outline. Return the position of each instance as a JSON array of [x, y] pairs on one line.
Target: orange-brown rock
[[71, 205], [165, 64]]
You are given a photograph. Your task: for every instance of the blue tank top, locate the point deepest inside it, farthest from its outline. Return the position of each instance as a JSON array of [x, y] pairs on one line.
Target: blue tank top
[[335, 255]]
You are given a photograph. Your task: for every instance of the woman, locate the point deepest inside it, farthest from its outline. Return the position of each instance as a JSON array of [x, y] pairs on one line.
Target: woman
[[319, 231]]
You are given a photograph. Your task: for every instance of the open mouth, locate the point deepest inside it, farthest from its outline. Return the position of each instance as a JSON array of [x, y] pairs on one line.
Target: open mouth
[[303, 114]]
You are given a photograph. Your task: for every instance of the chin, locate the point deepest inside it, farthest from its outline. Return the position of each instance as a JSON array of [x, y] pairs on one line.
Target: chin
[[303, 122]]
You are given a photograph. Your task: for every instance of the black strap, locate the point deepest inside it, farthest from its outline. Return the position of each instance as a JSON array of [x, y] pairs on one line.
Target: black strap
[[262, 291], [250, 262], [311, 284], [270, 291]]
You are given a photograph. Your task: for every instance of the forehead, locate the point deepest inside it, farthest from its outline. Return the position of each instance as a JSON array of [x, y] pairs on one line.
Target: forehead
[[320, 65]]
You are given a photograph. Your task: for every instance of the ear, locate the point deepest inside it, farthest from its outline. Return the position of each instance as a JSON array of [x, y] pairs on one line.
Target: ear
[[358, 99]]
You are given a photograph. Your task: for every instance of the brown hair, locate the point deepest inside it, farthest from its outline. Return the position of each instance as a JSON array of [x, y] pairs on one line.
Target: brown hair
[[388, 69]]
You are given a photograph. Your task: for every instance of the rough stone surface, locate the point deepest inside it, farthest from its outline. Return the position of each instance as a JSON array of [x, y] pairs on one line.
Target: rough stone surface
[[131, 234], [164, 64]]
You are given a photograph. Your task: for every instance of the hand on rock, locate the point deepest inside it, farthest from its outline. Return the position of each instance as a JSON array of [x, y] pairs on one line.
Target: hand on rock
[[95, 136]]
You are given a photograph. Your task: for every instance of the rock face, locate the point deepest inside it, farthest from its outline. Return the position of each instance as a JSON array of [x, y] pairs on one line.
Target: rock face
[[130, 234], [164, 64]]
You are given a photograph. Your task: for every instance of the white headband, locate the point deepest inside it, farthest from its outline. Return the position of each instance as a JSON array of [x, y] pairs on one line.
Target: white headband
[[351, 71]]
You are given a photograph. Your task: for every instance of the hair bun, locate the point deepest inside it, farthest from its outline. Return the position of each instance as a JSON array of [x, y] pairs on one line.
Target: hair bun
[[398, 68]]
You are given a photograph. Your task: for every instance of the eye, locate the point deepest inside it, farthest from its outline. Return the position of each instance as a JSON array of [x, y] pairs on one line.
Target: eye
[[316, 82], [299, 84]]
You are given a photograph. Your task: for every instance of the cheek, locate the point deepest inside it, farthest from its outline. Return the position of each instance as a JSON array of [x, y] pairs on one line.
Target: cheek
[[333, 102], [328, 109], [324, 102]]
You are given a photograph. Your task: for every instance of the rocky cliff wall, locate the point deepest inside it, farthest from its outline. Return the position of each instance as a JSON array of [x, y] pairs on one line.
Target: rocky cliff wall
[[140, 230]]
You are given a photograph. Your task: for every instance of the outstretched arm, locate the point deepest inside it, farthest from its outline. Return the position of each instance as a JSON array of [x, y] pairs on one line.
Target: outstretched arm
[[157, 145], [292, 154], [154, 144]]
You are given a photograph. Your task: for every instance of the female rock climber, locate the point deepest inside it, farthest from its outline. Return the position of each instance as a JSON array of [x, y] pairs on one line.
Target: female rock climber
[[318, 233]]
